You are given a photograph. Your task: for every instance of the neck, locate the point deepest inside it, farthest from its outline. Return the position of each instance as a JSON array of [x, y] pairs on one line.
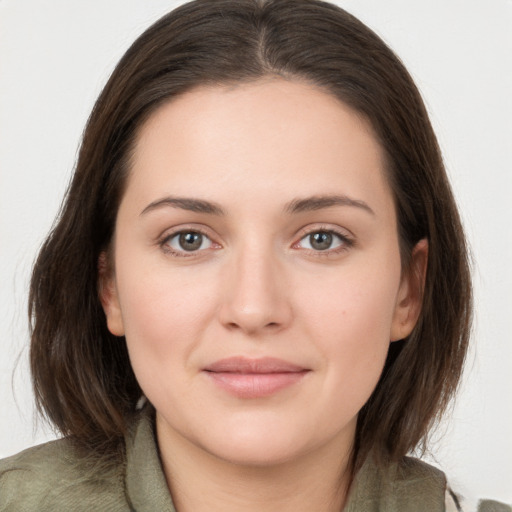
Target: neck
[[199, 481]]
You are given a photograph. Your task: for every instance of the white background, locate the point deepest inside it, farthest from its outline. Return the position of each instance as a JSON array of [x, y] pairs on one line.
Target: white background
[[55, 55]]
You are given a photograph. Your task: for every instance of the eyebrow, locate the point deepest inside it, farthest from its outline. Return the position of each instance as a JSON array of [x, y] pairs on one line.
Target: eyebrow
[[319, 202], [185, 203], [295, 206]]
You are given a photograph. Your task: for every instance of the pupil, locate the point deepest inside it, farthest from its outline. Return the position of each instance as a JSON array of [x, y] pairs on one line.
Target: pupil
[[320, 241], [191, 241]]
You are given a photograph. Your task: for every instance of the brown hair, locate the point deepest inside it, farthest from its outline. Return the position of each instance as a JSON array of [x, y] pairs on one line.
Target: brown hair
[[81, 373]]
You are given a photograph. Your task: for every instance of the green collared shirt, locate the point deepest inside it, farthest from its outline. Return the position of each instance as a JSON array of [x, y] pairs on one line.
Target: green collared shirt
[[51, 477]]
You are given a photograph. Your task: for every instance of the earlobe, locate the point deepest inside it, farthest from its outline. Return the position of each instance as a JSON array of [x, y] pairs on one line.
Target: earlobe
[[410, 294], [107, 291]]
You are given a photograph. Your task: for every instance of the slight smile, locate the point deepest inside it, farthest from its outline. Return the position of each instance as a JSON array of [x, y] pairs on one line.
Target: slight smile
[[254, 378]]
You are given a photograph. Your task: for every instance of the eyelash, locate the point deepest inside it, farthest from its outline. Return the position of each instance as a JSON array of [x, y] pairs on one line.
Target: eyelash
[[164, 242], [346, 242]]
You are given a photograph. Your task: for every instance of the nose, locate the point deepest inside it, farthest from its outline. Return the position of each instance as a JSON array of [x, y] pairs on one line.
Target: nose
[[256, 299]]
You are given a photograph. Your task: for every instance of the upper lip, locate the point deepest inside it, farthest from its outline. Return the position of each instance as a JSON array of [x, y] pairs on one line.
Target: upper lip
[[247, 365]]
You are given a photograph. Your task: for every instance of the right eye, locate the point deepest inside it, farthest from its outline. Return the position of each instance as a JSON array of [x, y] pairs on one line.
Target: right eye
[[187, 242]]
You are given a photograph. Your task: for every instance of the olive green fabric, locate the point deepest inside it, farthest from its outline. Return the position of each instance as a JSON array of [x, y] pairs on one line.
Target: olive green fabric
[[412, 485], [493, 506], [52, 477]]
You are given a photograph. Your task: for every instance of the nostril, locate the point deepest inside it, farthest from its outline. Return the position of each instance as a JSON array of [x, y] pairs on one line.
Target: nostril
[[248, 327]]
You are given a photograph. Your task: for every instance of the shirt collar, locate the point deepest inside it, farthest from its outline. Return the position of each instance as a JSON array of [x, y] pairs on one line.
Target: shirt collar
[[373, 489], [146, 487]]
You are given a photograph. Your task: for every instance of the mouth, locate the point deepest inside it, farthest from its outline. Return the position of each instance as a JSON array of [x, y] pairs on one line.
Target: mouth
[[254, 378]]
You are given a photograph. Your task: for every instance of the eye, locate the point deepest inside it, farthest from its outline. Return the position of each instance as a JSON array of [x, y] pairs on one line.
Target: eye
[[188, 241], [323, 240]]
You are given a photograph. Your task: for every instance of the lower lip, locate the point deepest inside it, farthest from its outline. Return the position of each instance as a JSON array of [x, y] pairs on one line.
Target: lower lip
[[255, 385]]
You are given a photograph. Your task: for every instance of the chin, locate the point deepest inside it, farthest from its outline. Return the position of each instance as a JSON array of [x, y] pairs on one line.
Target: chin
[[260, 455], [257, 447]]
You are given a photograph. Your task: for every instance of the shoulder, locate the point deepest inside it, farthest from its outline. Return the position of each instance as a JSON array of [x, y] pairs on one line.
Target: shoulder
[[413, 481], [411, 470], [52, 476], [407, 485]]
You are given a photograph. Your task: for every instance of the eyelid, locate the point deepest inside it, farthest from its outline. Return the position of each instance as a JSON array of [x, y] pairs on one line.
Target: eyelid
[[324, 226], [343, 234], [169, 234]]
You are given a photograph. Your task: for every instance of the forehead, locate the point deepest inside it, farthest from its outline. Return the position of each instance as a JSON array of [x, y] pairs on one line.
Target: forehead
[[289, 137]]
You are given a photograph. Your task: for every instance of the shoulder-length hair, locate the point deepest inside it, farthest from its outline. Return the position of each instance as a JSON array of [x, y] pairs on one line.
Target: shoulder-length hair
[[81, 373]]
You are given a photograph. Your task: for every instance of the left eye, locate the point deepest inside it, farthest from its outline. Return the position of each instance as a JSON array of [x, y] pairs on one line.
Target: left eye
[[188, 241], [322, 241]]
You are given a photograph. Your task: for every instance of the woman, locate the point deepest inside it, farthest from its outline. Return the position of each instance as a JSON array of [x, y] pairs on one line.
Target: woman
[[257, 293]]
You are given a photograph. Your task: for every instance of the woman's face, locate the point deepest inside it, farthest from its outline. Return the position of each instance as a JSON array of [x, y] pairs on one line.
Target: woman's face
[[257, 273]]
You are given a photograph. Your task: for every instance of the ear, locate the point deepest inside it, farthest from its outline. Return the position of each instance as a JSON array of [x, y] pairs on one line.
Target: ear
[[410, 293], [107, 291]]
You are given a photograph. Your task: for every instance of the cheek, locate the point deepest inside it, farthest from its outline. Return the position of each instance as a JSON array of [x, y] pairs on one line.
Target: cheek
[[350, 318], [359, 300], [163, 315]]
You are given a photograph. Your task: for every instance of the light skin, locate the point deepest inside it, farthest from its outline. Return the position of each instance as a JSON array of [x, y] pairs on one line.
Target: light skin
[[258, 222]]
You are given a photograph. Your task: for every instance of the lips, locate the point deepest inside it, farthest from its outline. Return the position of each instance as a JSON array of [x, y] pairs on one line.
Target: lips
[[254, 378]]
